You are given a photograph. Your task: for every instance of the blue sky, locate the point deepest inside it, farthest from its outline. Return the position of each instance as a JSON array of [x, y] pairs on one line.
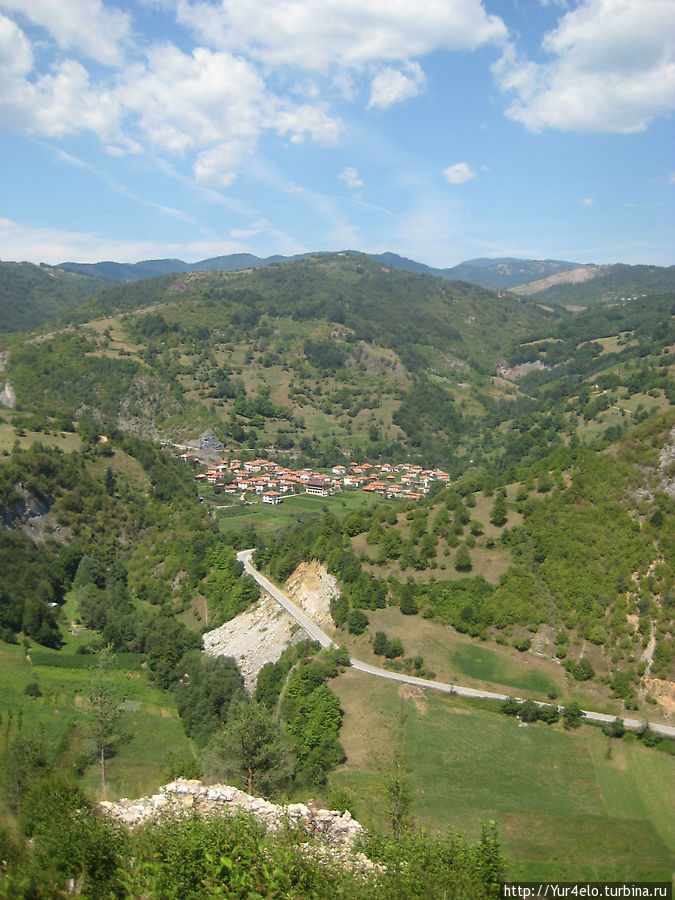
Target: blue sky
[[442, 130]]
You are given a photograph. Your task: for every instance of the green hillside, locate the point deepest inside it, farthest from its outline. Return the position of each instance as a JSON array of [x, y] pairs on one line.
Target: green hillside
[[606, 284], [334, 355], [32, 295]]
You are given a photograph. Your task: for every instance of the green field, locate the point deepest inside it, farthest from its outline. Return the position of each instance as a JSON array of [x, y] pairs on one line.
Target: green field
[[456, 658], [59, 717], [11, 435], [564, 810], [236, 517]]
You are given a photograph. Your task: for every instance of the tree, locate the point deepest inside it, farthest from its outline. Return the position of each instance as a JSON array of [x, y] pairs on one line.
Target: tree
[[582, 670], [380, 643], [105, 711], [357, 621], [499, 513], [529, 711], [510, 706], [252, 745], [204, 694], [110, 482], [463, 559], [396, 782], [22, 762], [572, 715], [394, 649]]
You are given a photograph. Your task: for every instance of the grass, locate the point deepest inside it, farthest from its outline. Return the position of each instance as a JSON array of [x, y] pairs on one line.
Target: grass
[[59, 718], [454, 657], [489, 666], [9, 436], [293, 508], [564, 811]]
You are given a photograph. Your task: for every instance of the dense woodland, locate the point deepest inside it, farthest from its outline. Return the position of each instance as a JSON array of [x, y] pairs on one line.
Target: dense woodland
[[111, 567]]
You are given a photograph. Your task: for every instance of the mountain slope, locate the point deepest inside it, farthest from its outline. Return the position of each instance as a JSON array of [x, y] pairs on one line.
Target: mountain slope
[[31, 295], [591, 285], [338, 349]]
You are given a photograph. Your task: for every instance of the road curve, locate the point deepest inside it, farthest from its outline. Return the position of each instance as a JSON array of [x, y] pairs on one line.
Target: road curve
[[313, 630]]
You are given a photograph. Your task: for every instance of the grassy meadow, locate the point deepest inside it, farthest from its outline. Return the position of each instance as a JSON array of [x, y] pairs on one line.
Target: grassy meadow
[[454, 657], [60, 715], [563, 809]]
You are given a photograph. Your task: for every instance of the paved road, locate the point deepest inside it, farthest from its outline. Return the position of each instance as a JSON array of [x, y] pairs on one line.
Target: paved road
[[317, 634]]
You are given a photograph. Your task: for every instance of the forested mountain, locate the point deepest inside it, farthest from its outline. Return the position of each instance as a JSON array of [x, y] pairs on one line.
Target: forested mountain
[[335, 357], [495, 274], [592, 285], [336, 352], [31, 295]]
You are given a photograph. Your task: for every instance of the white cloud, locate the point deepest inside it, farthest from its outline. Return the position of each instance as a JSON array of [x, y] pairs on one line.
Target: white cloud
[[210, 107], [588, 201], [52, 246], [85, 25], [350, 177], [59, 103], [671, 178], [300, 121], [193, 101], [341, 33], [392, 85], [612, 69], [460, 173]]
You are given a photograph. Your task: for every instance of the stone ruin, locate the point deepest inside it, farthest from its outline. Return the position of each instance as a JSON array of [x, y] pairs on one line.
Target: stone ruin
[[336, 832]]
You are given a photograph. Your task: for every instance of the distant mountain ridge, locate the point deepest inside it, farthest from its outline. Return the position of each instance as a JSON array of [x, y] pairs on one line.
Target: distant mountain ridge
[[494, 274]]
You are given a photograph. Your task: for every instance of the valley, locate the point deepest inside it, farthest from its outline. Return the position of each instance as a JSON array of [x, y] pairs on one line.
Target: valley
[[486, 479]]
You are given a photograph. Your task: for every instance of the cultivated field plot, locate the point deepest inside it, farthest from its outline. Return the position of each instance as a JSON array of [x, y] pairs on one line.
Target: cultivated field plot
[[563, 809]]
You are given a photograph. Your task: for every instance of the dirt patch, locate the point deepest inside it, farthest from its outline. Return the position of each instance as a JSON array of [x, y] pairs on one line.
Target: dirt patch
[[664, 694], [619, 760], [543, 642], [416, 694]]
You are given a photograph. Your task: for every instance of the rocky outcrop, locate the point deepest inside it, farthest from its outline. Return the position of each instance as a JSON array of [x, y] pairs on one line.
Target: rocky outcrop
[[209, 441], [312, 588], [7, 396], [30, 512], [183, 796], [261, 634], [667, 466]]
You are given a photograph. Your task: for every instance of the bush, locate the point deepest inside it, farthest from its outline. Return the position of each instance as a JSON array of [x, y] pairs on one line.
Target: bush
[[394, 649], [582, 670], [357, 621], [380, 643]]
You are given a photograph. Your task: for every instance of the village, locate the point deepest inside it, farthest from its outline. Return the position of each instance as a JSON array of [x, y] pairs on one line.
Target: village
[[272, 482]]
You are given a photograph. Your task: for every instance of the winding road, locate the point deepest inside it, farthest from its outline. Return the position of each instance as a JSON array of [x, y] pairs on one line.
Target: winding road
[[313, 630]]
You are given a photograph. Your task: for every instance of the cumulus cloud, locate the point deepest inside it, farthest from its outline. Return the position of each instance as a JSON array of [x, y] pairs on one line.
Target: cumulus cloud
[[611, 69], [342, 33], [210, 105], [85, 25], [393, 85], [59, 103], [460, 173], [351, 177]]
